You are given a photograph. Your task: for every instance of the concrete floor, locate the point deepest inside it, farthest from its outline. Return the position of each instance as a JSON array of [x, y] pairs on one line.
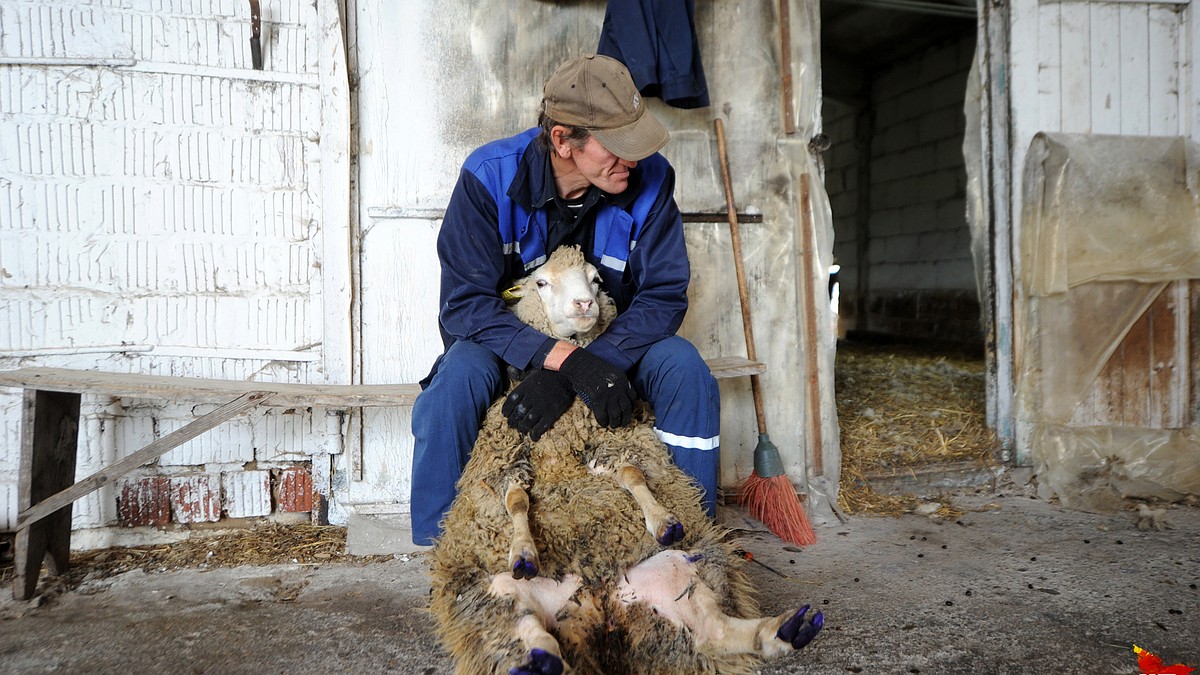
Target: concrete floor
[[1015, 585]]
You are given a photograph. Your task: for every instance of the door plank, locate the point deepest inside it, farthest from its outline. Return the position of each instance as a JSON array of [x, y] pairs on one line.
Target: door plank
[[1144, 384]]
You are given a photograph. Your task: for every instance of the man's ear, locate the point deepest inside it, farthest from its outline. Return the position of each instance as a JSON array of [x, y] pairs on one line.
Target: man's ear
[[558, 138]]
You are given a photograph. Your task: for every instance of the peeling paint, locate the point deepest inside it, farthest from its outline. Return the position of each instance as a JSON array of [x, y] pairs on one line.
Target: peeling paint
[[195, 499], [145, 502], [156, 211], [247, 494]]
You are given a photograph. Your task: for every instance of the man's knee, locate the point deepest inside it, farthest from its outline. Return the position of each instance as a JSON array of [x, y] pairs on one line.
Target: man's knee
[[469, 362], [674, 363], [468, 379]]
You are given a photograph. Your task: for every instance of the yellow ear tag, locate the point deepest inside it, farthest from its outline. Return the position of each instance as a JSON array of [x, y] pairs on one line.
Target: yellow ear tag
[[511, 295]]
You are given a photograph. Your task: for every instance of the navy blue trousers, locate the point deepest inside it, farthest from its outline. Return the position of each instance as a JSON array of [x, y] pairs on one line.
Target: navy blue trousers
[[672, 377]]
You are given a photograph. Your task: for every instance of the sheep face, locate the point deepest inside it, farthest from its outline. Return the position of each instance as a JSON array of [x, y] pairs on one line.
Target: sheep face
[[569, 297]]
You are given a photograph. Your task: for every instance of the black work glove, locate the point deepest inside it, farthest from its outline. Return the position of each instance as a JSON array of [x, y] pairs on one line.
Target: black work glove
[[537, 403], [602, 386]]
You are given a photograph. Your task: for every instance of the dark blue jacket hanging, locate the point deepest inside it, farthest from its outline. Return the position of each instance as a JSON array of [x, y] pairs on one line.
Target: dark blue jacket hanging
[[656, 40], [495, 232]]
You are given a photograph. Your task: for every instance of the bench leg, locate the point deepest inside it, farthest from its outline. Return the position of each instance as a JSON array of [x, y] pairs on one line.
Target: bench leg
[[49, 438]]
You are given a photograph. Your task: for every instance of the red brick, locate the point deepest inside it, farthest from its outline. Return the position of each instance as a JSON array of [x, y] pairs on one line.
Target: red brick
[[195, 499], [145, 501], [295, 491]]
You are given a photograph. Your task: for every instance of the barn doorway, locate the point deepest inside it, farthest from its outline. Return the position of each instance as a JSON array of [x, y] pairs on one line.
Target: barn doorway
[[909, 374]]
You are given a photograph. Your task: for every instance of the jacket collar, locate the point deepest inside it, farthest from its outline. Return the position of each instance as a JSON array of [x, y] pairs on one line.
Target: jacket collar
[[533, 185]]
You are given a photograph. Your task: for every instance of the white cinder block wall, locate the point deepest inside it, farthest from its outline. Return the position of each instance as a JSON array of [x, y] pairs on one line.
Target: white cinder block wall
[[157, 215], [919, 276], [842, 176]]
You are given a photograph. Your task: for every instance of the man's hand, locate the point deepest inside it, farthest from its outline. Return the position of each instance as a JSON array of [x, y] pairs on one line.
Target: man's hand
[[537, 403], [602, 386]]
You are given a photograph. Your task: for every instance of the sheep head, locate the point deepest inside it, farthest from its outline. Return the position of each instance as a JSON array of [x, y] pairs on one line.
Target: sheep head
[[562, 298]]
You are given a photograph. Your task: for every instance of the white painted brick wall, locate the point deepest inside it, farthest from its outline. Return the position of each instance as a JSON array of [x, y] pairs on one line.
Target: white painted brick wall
[[246, 494], [157, 197], [917, 176], [841, 182], [917, 173]]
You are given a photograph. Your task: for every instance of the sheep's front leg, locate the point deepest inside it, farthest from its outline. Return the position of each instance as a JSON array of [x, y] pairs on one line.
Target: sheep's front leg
[[661, 523], [669, 584], [522, 552]]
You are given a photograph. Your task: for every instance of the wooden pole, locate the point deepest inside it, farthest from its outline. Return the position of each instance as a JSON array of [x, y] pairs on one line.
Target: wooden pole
[[812, 342], [785, 65]]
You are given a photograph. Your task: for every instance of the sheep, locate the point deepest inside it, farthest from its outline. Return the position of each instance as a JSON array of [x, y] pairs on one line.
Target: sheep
[[588, 549]]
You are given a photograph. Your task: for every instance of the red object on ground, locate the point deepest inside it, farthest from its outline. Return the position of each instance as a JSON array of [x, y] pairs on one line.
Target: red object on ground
[[1150, 664]]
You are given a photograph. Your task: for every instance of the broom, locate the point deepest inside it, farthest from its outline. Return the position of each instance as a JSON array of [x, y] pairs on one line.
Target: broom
[[766, 492]]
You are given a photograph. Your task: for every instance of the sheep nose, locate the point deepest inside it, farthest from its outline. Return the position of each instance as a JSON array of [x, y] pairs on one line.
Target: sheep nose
[[583, 305]]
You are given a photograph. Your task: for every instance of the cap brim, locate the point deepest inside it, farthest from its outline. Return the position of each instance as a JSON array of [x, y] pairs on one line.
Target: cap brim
[[635, 141]]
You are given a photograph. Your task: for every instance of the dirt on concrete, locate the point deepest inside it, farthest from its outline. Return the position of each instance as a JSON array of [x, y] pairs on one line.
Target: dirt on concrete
[[1010, 584]]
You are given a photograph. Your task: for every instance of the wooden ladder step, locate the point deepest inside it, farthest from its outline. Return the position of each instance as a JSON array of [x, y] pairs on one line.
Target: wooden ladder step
[[734, 366]]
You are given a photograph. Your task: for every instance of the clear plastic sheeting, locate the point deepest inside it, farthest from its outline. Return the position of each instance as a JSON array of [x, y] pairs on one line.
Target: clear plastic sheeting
[[1108, 222], [1109, 208], [1093, 468]]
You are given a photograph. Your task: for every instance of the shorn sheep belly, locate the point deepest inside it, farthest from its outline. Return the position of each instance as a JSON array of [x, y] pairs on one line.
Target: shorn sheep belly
[[594, 591]]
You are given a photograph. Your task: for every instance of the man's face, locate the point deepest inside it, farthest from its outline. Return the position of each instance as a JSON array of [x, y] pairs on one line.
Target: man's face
[[602, 168]]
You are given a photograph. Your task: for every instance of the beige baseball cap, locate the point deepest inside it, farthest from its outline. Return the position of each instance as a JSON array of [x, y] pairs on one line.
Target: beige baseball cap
[[597, 93]]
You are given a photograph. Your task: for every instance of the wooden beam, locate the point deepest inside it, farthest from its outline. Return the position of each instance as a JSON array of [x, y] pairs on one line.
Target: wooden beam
[[156, 449], [202, 390]]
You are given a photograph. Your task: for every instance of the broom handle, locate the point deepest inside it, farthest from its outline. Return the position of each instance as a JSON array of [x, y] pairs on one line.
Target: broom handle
[[743, 293]]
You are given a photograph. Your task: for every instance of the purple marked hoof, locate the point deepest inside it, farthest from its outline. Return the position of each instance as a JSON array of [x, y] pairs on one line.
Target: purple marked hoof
[[524, 569], [673, 533], [541, 662], [800, 630]]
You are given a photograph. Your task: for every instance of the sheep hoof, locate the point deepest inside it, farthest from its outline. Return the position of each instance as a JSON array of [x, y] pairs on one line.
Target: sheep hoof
[[800, 630], [541, 662], [671, 533], [525, 567]]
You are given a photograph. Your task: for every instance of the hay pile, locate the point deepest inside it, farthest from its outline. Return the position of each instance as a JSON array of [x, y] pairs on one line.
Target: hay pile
[[901, 408], [267, 544]]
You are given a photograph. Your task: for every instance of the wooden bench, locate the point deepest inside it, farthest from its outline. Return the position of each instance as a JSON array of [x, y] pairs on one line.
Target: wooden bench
[[46, 486]]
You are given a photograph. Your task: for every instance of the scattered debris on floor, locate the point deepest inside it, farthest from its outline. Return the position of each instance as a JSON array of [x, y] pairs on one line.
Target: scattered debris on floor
[[266, 544], [901, 408]]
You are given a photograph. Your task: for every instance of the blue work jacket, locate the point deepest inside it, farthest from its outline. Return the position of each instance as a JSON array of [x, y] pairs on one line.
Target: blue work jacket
[[494, 233], [657, 42]]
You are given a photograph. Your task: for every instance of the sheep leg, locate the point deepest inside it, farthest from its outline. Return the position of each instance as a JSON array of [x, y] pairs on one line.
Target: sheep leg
[[522, 552], [662, 524], [536, 603], [668, 583]]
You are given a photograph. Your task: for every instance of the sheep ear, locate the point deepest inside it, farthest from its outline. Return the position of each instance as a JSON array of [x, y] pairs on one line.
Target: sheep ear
[[511, 295]]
